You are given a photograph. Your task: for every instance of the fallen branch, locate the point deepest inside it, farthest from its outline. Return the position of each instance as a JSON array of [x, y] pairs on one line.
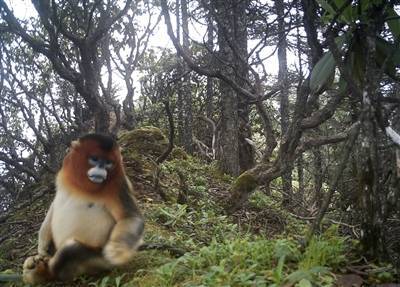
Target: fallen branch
[[214, 134]]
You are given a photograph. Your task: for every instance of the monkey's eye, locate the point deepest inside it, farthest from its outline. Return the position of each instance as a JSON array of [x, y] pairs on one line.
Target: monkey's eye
[[93, 160], [108, 164]]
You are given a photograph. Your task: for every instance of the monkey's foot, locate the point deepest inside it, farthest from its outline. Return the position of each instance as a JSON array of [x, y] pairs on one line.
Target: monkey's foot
[[36, 270]]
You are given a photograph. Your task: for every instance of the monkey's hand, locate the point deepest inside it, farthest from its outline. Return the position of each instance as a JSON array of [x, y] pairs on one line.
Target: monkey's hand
[[45, 249], [118, 252], [125, 238], [36, 270]]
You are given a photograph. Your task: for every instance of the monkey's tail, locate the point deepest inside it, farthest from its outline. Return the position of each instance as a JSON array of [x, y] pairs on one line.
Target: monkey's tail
[[10, 277], [175, 251]]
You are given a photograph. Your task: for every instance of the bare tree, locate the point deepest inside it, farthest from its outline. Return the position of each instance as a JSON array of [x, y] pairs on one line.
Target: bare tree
[[292, 143], [284, 91], [71, 42]]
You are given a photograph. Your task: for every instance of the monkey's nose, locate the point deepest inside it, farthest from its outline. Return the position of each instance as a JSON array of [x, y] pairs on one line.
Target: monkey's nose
[[96, 179], [97, 175]]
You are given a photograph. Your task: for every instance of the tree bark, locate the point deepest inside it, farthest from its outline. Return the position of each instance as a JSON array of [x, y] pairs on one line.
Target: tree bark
[[315, 53], [186, 89], [229, 139], [372, 203], [209, 85], [310, 26], [284, 93], [300, 175], [180, 103], [317, 175], [246, 151]]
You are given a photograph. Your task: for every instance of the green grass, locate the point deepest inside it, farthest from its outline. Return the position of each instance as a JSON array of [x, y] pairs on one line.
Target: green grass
[[221, 250]]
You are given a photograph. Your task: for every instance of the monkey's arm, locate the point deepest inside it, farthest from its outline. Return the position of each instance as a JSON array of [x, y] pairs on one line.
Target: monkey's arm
[[126, 235], [45, 243], [125, 238]]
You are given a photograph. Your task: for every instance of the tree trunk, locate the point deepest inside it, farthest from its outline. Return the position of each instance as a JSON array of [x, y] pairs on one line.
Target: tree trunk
[[284, 94], [317, 175], [310, 26], [372, 204], [179, 104], [210, 139], [246, 151], [209, 87], [229, 144], [300, 175], [229, 139], [315, 53], [186, 90]]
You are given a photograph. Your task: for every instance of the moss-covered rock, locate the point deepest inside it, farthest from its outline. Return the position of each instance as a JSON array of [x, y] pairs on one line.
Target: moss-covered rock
[[179, 153], [140, 148], [148, 140], [245, 183], [241, 189]]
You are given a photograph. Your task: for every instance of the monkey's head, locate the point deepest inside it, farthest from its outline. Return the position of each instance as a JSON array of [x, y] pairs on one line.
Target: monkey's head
[[93, 159]]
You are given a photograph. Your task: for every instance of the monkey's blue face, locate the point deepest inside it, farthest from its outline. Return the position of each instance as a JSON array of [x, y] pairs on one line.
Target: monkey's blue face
[[99, 169]]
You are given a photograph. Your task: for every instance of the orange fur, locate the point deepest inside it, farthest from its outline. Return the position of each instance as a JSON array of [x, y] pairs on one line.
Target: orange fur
[[121, 223], [75, 167]]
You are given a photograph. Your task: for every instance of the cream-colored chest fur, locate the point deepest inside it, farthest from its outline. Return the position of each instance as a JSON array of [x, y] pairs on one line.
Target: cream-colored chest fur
[[83, 220]]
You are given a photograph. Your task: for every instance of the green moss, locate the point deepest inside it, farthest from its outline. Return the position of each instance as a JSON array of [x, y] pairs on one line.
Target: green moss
[[149, 141], [243, 186], [179, 153], [245, 183], [140, 148]]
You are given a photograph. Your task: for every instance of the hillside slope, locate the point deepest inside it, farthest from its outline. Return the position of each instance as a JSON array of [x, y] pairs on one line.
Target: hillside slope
[[191, 241]]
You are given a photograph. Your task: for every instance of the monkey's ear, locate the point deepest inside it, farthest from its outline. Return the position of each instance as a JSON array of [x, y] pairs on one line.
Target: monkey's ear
[[74, 144]]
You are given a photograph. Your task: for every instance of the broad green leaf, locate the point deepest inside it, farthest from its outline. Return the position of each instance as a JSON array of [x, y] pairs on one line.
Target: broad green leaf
[[299, 275], [394, 23], [304, 283], [366, 5], [282, 249], [387, 49], [308, 275], [327, 7], [322, 72], [347, 14], [386, 53]]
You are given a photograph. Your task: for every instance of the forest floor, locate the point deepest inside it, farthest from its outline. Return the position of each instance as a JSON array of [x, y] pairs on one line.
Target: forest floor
[[195, 242]]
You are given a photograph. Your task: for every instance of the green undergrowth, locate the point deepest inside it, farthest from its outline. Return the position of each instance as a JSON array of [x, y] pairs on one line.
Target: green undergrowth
[[221, 252], [261, 245], [218, 250], [252, 261]]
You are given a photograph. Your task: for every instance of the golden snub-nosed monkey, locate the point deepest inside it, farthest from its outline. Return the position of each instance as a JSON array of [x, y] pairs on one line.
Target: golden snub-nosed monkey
[[93, 222]]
